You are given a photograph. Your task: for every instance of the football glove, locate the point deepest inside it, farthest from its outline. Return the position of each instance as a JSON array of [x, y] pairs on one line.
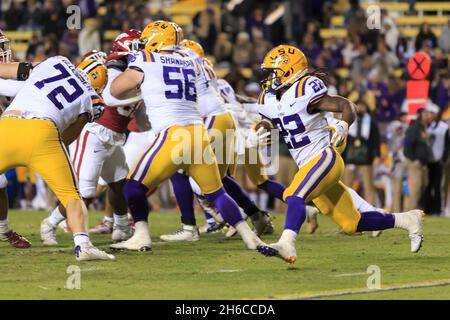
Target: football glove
[[339, 131], [97, 112], [257, 138]]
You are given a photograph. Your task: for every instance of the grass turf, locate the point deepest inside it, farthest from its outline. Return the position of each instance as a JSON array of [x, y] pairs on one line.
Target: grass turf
[[215, 268]]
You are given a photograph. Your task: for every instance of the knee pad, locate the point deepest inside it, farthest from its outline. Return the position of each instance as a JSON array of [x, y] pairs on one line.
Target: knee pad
[[87, 188]]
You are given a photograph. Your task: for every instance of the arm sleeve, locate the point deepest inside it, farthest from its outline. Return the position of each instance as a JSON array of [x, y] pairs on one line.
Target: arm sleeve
[[10, 88]]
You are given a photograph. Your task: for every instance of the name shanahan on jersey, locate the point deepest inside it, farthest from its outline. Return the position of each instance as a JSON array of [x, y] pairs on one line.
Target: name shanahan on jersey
[[169, 88], [210, 103], [305, 133], [56, 91]]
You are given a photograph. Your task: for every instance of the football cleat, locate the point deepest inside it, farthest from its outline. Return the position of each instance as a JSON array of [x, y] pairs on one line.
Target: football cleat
[[63, 226], [48, 233], [211, 228], [311, 219], [250, 239], [135, 243], [185, 233], [415, 231], [86, 251], [121, 233], [103, 227], [15, 239], [270, 228], [231, 232], [376, 234], [261, 221], [283, 250]]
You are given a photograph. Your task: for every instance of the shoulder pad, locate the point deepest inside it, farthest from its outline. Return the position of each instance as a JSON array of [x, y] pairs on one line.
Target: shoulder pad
[[310, 88]]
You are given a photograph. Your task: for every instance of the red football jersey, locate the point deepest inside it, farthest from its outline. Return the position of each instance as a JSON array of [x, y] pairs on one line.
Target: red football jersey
[[117, 119]]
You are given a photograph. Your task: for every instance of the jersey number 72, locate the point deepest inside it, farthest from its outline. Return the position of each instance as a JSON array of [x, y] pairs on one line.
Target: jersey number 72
[[60, 90]]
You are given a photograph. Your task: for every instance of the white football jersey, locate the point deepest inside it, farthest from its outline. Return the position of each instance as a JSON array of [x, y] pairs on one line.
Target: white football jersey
[[169, 88], [305, 133], [210, 103], [227, 91], [55, 90]]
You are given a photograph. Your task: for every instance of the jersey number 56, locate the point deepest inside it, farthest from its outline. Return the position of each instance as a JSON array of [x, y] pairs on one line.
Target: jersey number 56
[[184, 88]]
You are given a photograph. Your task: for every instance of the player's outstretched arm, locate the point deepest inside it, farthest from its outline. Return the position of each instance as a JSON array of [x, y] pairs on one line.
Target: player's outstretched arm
[[336, 104], [15, 70], [129, 80]]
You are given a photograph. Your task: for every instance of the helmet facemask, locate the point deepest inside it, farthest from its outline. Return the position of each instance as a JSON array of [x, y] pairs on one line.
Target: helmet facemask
[[5, 50], [272, 79]]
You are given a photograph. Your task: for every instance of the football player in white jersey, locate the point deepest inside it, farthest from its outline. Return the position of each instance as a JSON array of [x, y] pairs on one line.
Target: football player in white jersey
[[98, 151], [8, 88], [48, 113], [168, 83], [296, 102], [221, 129]]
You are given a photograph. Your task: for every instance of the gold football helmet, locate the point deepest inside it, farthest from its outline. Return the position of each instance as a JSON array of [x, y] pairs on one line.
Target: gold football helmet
[[285, 65], [160, 35], [96, 72], [194, 46]]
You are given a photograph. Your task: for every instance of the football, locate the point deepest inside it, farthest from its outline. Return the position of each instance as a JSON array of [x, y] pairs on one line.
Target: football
[[266, 124]]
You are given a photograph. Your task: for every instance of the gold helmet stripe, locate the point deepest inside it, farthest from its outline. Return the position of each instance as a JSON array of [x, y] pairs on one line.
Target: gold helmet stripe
[[91, 66]]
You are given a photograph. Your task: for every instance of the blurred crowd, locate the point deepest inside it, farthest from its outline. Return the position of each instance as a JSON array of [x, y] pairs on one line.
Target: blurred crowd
[[394, 163]]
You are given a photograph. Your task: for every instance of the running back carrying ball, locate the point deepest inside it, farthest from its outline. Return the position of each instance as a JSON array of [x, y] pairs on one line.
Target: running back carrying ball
[[260, 134], [266, 124]]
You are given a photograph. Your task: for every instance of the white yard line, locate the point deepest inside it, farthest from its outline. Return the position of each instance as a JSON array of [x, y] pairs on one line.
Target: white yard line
[[349, 274], [417, 285]]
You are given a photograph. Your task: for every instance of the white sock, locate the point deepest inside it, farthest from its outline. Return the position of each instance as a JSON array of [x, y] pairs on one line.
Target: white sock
[[141, 229], [121, 220], [188, 227], [263, 199], [80, 237], [210, 221], [288, 236], [253, 196], [400, 221], [4, 226], [56, 217], [247, 235], [108, 219]]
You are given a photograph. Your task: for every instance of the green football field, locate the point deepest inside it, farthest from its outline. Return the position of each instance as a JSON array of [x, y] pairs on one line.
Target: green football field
[[329, 266]]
